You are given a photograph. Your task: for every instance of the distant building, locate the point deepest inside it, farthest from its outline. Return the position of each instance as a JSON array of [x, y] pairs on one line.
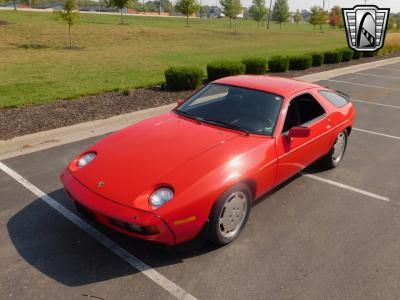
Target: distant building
[[305, 15], [215, 12]]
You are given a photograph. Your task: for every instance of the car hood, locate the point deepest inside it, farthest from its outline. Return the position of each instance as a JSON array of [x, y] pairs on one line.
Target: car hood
[[133, 160]]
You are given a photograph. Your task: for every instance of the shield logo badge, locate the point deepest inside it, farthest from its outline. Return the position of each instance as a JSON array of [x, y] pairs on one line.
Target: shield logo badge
[[365, 26]]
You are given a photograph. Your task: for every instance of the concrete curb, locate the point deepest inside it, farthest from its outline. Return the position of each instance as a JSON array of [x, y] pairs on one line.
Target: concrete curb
[[64, 135], [348, 70], [51, 138]]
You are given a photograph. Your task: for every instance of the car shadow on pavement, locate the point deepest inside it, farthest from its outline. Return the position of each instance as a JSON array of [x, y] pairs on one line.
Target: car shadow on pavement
[[62, 251]]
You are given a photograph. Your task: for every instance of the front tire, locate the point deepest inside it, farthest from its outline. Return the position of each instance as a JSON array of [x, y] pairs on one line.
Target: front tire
[[335, 155], [230, 214]]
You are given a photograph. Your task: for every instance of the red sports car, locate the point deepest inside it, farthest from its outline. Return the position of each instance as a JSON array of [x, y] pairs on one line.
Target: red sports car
[[199, 168]]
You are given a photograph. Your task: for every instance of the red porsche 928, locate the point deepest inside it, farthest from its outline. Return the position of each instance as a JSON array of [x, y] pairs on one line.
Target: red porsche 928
[[198, 168]]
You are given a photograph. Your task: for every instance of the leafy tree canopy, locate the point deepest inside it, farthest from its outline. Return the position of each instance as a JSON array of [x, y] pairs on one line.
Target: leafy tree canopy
[[280, 12], [258, 11]]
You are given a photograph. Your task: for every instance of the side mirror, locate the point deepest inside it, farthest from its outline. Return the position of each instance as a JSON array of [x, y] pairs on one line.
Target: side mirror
[[298, 132]]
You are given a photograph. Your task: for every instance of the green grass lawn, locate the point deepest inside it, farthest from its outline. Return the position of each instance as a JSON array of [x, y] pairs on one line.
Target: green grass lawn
[[116, 56]]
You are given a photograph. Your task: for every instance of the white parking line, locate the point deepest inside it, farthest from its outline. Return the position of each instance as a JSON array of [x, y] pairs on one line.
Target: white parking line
[[142, 267], [377, 133], [361, 84], [374, 103], [374, 75], [347, 187]]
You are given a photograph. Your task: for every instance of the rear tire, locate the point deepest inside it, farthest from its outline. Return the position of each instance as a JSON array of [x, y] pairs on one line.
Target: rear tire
[[230, 214], [335, 155]]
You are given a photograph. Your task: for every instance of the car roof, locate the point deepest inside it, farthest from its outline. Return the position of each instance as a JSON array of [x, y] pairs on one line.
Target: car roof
[[271, 84]]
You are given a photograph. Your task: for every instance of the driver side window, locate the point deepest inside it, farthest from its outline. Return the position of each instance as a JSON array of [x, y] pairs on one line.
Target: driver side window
[[302, 110]]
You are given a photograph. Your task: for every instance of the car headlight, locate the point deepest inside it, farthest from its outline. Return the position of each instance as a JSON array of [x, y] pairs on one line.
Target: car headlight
[[161, 196], [85, 159]]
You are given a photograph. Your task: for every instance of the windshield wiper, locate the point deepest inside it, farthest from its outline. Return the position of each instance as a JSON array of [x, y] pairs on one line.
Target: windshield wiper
[[188, 114], [226, 125]]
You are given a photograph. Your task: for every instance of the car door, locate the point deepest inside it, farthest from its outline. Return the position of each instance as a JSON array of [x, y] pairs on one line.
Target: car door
[[295, 153]]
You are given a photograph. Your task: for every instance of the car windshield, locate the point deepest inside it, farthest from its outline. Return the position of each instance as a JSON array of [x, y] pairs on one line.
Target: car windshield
[[238, 108]]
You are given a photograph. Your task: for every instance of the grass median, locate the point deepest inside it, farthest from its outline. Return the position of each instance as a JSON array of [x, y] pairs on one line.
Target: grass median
[[36, 67]]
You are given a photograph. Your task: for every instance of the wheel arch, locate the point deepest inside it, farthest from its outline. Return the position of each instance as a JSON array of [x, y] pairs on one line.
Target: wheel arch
[[348, 130]]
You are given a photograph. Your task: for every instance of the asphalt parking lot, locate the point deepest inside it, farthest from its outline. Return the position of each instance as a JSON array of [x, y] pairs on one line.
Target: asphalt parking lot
[[323, 235]]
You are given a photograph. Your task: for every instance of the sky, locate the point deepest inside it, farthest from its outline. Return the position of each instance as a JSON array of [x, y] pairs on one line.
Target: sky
[[394, 5]]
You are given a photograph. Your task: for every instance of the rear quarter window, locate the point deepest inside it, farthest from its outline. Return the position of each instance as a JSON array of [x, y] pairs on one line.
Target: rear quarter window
[[334, 98]]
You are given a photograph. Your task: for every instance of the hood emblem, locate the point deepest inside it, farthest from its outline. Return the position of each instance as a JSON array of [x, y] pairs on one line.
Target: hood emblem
[[100, 184]]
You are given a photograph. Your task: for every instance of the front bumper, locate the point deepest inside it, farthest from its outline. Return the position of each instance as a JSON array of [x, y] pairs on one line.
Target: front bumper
[[115, 215]]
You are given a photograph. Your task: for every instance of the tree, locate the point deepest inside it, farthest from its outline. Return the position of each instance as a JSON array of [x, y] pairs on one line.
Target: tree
[[120, 4], [70, 15], [231, 9], [188, 8], [280, 12], [297, 18], [318, 16], [335, 16], [15, 4], [269, 13], [258, 11]]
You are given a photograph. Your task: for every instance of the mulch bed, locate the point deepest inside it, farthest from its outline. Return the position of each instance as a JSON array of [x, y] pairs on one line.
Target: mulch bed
[[34, 118]]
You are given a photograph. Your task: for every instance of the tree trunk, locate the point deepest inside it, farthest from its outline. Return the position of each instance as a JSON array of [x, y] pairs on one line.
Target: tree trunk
[[320, 27], [230, 22], [143, 7], [122, 17], [15, 5], [269, 13], [280, 25], [69, 34], [187, 20]]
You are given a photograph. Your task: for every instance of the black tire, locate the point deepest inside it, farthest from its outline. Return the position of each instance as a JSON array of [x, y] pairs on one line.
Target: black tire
[[329, 161], [214, 233]]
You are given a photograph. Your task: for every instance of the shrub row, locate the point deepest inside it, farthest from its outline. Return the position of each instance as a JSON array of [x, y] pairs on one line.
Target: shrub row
[[223, 68], [347, 54], [300, 62], [255, 65], [317, 59], [187, 78], [183, 78]]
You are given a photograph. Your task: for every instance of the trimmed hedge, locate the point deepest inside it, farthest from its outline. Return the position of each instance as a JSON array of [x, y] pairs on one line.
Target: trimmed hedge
[[347, 54], [224, 68], [370, 54], [333, 57], [278, 63], [300, 62], [255, 65], [183, 78], [357, 55], [317, 59]]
